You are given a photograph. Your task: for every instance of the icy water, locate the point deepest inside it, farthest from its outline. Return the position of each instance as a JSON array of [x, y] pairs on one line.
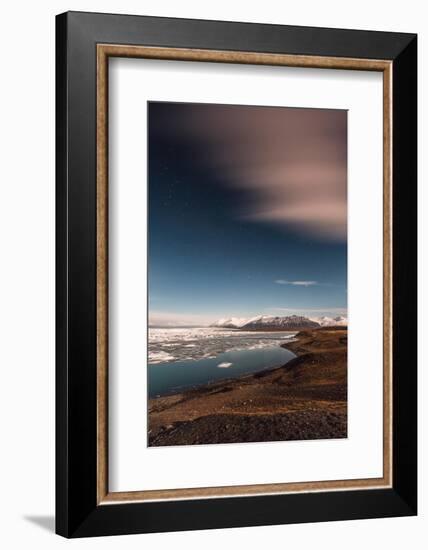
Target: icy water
[[184, 358]]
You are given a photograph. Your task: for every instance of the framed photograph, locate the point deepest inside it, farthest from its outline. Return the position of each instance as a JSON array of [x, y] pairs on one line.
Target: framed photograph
[[236, 274]]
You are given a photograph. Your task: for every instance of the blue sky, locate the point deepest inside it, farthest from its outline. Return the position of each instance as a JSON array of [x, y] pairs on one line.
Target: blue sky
[[247, 212]]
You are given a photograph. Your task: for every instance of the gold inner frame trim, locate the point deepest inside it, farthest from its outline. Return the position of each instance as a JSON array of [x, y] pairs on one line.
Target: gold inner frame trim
[[104, 51]]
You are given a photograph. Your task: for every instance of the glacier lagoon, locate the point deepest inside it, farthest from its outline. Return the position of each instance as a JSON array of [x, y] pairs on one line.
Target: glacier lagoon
[[182, 358]]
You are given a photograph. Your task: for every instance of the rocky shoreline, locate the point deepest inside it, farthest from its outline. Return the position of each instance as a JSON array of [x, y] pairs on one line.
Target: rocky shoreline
[[304, 399]]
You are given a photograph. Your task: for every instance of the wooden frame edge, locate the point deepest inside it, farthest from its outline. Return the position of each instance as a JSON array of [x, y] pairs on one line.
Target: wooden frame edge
[[387, 275], [102, 274], [241, 57], [104, 51]]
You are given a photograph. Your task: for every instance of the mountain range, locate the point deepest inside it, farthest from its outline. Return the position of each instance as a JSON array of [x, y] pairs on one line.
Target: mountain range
[[290, 322]]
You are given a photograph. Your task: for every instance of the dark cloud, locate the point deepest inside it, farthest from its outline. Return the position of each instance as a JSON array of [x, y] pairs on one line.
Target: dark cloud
[[292, 163]]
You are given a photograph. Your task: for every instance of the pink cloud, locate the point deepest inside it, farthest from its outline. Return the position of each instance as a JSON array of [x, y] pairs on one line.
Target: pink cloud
[[292, 163]]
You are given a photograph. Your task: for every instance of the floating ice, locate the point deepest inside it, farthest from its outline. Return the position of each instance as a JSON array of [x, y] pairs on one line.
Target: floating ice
[[160, 357], [224, 365], [207, 342]]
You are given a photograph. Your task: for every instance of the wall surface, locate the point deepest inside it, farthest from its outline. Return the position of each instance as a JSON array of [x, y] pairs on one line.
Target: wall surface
[[27, 272]]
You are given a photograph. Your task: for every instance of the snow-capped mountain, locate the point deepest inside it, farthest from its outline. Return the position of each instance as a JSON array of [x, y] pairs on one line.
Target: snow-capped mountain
[[291, 322], [232, 322], [331, 321]]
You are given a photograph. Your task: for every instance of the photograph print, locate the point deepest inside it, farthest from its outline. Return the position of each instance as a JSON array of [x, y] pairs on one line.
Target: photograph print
[[247, 274]]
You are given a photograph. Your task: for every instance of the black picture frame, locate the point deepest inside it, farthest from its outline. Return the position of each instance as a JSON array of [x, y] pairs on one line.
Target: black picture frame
[[77, 511]]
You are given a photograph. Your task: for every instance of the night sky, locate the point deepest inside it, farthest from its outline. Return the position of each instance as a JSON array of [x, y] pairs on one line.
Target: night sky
[[247, 212]]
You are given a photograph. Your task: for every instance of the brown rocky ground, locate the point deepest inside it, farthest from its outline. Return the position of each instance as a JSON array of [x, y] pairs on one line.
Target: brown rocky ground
[[304, 399]]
